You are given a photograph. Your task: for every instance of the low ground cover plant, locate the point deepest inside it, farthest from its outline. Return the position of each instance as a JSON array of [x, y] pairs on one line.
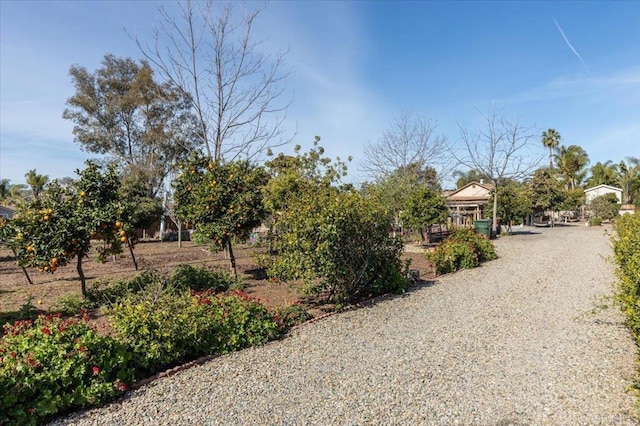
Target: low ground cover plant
[[291, 315], [51, 365], [162, 328], [199, 279], [182, 278], [463, 249]]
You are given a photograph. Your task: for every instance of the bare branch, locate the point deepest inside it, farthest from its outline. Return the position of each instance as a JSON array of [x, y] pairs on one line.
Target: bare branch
[[501, 150], [235, 89], [411, 140]]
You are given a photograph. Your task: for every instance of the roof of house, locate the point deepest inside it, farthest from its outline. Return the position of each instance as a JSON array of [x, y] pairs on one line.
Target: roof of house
[[473, 191], [612, 188]]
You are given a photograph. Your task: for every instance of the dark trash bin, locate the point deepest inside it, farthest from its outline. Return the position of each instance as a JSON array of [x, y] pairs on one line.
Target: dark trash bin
[[483, 227]]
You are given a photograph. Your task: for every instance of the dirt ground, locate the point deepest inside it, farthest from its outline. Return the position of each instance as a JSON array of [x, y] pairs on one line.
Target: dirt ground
[[162, 256]]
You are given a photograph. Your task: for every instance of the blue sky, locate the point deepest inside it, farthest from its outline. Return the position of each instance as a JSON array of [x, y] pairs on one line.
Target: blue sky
[[356, 66]]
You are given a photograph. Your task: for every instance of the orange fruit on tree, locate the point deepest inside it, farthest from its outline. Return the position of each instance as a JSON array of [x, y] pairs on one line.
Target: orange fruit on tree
[[123, 239], [118, 224], [123, 233]]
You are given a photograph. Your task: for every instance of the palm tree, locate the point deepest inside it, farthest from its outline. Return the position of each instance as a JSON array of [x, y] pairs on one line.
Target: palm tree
[[629, 178], [603, 174], [4, 189], [571, 161], [10, 194], [551, 139], [36, 182]]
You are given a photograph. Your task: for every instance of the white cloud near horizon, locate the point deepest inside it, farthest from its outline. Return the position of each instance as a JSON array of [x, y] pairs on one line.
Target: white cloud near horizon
[[624, 84]]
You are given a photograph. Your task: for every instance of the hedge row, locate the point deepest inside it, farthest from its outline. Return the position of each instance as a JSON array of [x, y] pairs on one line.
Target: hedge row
[[626, 248]]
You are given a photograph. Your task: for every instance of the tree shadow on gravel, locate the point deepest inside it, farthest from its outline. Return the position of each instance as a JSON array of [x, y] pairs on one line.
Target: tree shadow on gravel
[[415, 286], [420, 284], [523, 232]]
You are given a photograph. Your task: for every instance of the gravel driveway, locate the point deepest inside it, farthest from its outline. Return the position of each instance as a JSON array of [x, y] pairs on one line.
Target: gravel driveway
[[511, 343]]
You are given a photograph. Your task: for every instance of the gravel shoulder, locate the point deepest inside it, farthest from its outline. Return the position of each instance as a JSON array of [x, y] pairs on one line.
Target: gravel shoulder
[[512, 342]]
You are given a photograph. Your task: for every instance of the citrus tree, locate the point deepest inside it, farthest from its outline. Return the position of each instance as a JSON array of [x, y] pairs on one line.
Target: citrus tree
[[514, 202], [338, 243], [221, 200], [57, 227], [424, 208], [325, 234], [291, 176], [546, 191]]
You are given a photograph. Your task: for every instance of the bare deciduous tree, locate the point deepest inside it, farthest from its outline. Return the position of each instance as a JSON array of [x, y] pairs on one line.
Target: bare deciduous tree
[[411, 143], [502, 150], [234, 87]]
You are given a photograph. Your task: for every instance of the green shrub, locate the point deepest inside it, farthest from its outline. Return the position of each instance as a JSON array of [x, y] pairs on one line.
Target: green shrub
[[108, 293], [481, 246], [453, 255], [200, 279], [337, 243], [245, 322], [72, 304], [605, 206], [595, 221], [626, 247], [51, 365], [182, 278], [166, 328], [291, 315], [463, 249]]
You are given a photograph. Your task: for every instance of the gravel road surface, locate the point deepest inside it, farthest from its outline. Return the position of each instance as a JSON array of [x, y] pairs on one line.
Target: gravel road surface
[[514, 342]]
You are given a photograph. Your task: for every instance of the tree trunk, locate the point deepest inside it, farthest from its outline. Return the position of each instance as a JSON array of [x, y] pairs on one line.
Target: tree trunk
[[83, 281], [232, 259], [133, 256], [26, 274]]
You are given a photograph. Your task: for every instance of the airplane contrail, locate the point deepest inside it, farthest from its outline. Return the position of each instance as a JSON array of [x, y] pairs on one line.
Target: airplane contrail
[[575, 52]]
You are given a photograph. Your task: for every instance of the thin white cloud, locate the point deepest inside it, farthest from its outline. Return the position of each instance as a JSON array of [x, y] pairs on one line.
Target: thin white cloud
[[622, 86], [575, 52], [332, 99]]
